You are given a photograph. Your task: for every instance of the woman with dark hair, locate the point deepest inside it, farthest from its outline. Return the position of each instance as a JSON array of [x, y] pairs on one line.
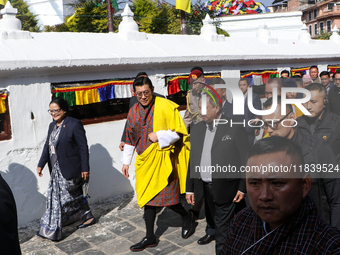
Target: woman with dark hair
[[66, 153]]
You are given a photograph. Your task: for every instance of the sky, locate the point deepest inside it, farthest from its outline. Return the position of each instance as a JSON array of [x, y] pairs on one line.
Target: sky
[[265, 2]]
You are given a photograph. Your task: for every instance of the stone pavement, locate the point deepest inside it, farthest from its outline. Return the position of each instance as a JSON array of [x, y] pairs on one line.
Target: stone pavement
[[120, 225]]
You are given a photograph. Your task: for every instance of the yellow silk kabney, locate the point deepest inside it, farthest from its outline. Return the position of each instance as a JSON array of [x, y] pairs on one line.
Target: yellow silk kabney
[[154, 166]]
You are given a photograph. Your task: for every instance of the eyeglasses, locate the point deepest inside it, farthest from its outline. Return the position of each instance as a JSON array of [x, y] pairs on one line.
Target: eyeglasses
[[53, 111], [275, 124], [146, 93]]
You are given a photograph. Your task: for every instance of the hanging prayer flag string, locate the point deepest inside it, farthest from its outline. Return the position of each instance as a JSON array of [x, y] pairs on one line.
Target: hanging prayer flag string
[[302, 69], [180, 83], [94, 93], [333, 69], [259, 78]]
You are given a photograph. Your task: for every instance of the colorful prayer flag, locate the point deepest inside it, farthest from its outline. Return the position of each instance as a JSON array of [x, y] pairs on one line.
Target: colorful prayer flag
[[3, 97], [94, 93], [114, 5], [3, 2], [184, 5]]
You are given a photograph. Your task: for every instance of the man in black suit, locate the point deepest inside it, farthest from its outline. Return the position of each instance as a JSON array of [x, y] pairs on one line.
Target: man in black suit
[[325, 78], [9, 238], [243, 84], [321, 123], [212, 147], [334, 95]]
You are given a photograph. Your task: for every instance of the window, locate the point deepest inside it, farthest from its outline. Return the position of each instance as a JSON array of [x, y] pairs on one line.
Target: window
[[310, 15], [315, 13], [310, 29], [321, 28], [329, 26], [5, 122], [316, 32], [330, 6]]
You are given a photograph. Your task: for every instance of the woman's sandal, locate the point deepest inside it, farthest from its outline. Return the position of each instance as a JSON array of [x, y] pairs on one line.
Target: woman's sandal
[[84, 225]]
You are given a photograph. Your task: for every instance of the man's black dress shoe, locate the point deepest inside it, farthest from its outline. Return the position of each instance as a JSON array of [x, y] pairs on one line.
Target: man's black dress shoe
[[144, 244], [205, 239], [188, 226]]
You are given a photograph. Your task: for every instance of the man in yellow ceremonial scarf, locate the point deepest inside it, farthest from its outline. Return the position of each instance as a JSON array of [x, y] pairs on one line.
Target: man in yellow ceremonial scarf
[[156, 131]]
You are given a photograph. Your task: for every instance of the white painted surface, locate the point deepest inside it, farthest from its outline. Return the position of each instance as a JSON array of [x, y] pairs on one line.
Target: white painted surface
[[283, 25], [50, 12], [29, 66]]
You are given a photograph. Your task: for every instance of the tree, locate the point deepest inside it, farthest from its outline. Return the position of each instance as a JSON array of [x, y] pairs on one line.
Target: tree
[[194, 19], [163, 18], [57, 28], [91, 16], [28, 20]]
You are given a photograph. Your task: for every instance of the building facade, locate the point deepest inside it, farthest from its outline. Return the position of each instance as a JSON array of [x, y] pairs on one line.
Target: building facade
[[322, 17]]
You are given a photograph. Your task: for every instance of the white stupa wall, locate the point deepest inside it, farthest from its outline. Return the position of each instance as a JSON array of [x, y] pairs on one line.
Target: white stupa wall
[[284, 25]]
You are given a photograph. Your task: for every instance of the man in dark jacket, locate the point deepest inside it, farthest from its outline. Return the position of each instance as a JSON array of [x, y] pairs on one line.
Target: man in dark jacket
[[322, 124], [9, 238], [227, 108], [325, 191], [243, 84], [214, 148], [334, 95], [326, 81]]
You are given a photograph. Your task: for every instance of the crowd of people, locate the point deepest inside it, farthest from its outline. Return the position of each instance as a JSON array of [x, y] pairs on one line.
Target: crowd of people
[[247, 212], [288, 213]]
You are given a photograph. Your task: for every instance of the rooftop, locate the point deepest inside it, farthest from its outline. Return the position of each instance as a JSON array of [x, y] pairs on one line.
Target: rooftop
[[22, 51]]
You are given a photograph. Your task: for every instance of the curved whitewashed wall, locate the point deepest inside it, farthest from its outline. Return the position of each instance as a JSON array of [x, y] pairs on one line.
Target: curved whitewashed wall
[[20, 155]]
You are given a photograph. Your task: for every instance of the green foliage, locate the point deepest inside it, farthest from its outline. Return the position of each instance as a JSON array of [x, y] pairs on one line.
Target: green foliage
[[194, 20], [163, 18], [92, 17], [324, 36], [150, 16], [28, 20], [57, 28], [220, 31], [82, 3]]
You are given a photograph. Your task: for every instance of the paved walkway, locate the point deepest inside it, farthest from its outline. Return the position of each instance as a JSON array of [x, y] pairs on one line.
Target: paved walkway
[[120, 225]]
